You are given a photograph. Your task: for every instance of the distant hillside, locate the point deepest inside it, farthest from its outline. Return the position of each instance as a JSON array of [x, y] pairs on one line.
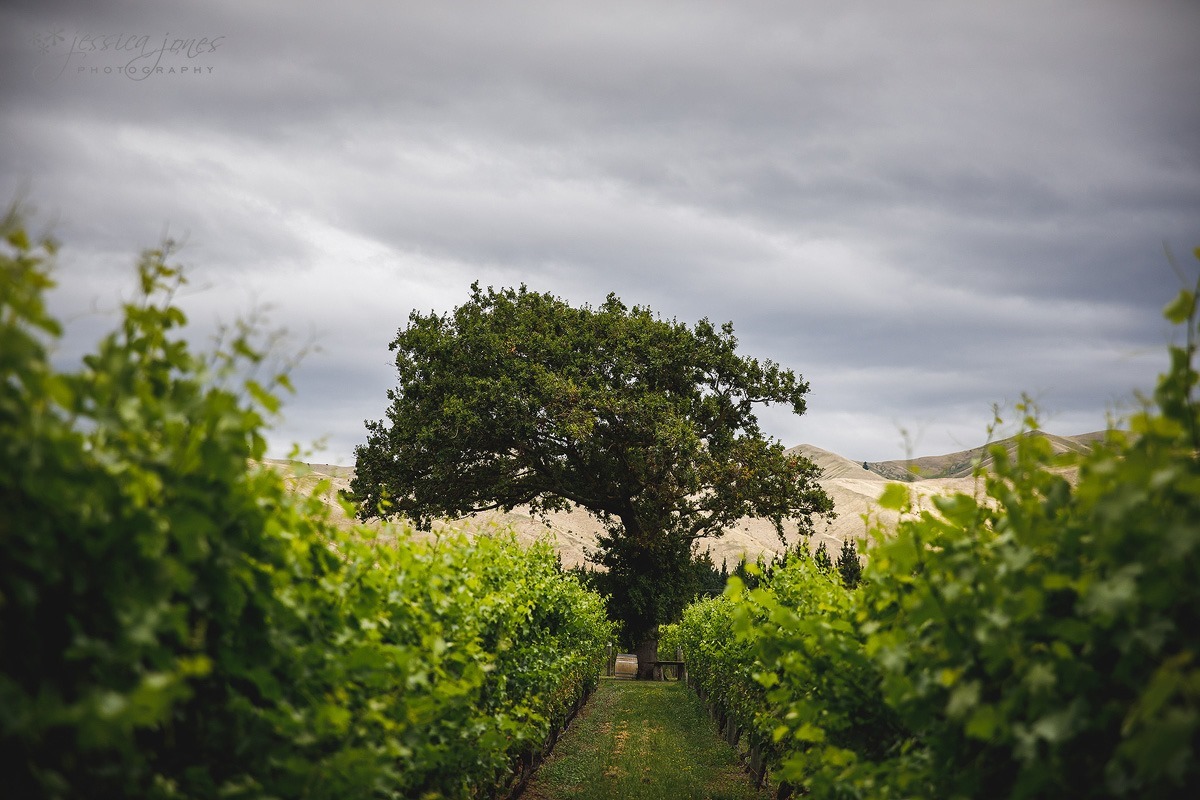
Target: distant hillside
[[962, 463], [854, 491]]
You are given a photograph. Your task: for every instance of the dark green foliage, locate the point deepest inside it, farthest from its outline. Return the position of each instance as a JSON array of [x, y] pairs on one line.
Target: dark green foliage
[[517, 398], [646, 580], [753, 574], [585, 574], [710, 581], [750, 574], [821, 558], [175, 623], [848, 565]]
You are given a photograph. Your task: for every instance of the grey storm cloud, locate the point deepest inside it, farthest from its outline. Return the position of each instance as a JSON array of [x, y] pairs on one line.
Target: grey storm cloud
[[924, 208]]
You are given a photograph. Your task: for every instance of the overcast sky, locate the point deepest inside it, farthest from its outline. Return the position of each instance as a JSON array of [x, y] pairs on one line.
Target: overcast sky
[[924, 208]]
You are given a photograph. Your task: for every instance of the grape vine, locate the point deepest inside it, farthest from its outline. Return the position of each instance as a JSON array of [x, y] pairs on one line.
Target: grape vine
[[175, 623]]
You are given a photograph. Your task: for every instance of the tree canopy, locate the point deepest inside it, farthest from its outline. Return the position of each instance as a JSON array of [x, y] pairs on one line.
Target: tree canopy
[[516, 398]]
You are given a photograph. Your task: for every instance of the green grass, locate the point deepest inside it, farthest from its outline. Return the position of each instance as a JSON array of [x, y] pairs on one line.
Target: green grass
[[642, 740]]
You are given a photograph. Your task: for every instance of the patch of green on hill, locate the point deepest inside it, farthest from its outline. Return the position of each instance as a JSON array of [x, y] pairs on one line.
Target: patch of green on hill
[[962, 463]]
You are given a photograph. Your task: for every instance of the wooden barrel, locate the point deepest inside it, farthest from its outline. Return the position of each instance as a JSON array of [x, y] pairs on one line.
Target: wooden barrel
[[627, 665]]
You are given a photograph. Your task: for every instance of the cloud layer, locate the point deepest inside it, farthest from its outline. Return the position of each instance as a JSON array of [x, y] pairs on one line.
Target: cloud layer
[[924, 210]]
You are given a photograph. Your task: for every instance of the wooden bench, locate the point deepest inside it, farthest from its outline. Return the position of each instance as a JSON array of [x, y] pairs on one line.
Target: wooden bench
[[680, 671], [625, 665]]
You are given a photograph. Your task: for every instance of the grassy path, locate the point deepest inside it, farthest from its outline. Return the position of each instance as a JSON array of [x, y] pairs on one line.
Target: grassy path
[[641, 740]]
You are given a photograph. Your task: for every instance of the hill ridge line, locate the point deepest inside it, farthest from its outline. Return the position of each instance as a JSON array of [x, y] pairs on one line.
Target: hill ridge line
[[854, 491]]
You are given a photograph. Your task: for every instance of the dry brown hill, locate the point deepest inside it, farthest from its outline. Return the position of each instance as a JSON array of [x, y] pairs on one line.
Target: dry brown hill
[[854, 490]]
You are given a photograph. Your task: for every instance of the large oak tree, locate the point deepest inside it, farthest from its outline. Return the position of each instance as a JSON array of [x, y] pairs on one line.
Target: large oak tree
[[519, 399]]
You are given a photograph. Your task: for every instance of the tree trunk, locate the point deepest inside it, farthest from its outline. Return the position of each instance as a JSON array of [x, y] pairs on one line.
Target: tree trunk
[[647, 654]]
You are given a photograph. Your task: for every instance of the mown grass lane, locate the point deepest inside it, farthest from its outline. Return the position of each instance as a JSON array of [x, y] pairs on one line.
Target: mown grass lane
[[642, 740]]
